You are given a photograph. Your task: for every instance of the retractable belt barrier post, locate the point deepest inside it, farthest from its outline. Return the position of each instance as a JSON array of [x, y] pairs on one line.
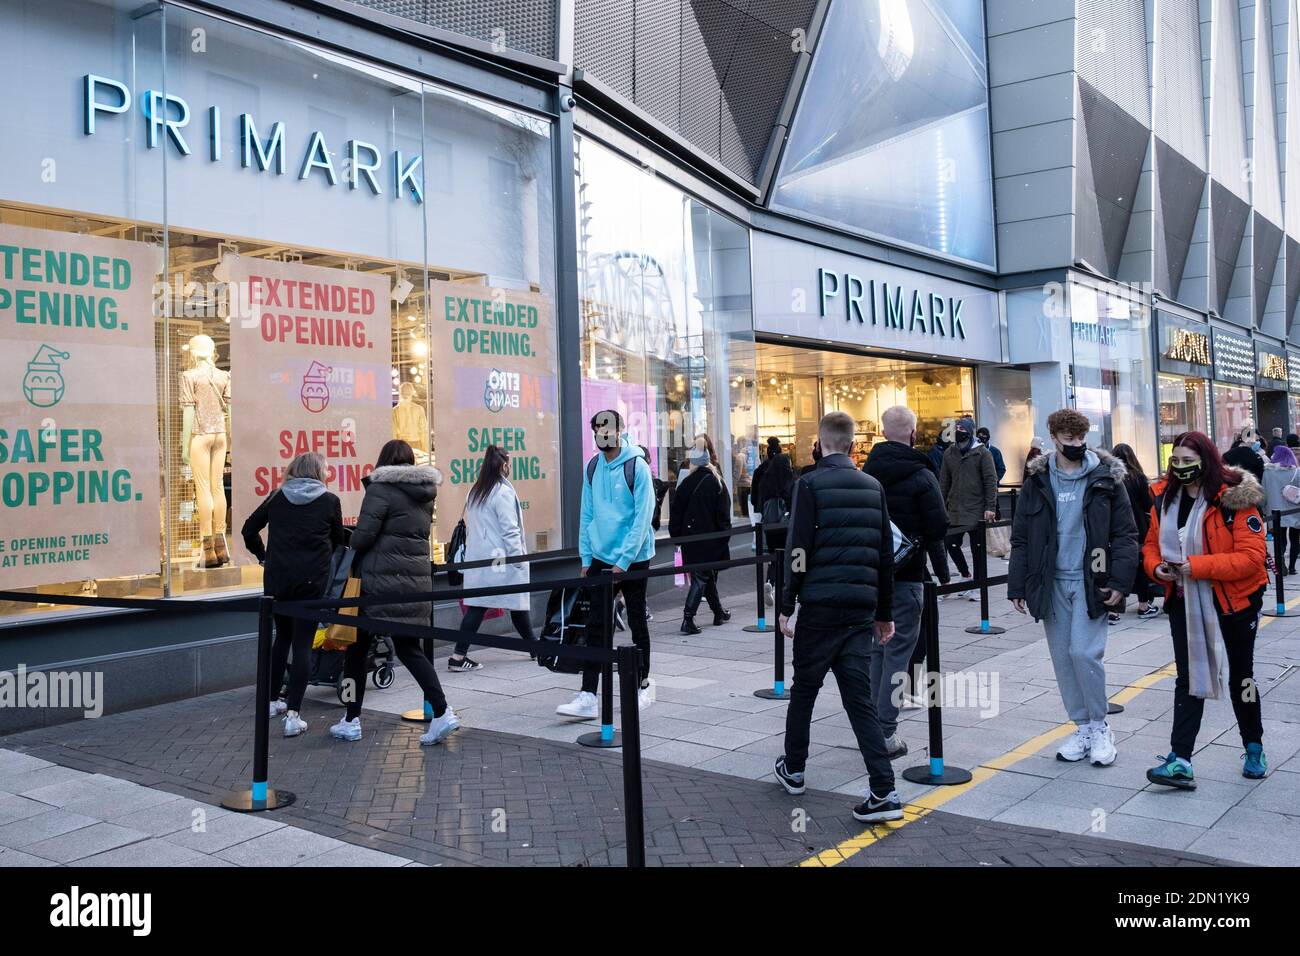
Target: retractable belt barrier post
[[762, 627], [935, 773], [981, 558], [778, 690], [629, 686], [1279, 559], [260, 796], [606, 737]]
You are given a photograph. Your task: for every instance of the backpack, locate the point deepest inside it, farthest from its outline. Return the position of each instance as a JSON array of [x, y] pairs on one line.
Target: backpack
[[456, 554], [629, 472]]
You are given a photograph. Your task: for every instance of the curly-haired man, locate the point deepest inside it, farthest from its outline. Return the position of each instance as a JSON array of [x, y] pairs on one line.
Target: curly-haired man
[[1074, 553]]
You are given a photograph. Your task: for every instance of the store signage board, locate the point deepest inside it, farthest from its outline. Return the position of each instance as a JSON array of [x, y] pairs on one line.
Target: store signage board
[[309, 353], [808, 292], [1185, 346], [1234, 358], [79, 463], [495, 384], [167, 122], [1293, 371], [1271, 368]]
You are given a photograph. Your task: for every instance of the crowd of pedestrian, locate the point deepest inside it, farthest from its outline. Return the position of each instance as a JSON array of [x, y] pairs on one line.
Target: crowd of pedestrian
[[1089, 530]]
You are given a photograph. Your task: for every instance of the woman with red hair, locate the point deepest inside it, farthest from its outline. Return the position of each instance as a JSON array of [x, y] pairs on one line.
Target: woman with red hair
[[1206, 546]]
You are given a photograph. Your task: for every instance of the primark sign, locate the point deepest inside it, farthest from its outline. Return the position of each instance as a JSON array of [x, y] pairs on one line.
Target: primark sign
[[808, 292], [264, 147]]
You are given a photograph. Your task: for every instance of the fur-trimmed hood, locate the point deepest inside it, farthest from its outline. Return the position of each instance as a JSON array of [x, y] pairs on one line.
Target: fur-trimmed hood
[[1248, 494], [1106, 461], [407, 475]]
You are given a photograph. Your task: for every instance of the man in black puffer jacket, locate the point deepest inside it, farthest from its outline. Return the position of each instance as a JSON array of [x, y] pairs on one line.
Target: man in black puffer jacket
[[916, 507], [839, 565]]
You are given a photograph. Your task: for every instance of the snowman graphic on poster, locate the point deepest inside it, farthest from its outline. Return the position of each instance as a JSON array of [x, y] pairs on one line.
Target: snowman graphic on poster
[[315, 391]]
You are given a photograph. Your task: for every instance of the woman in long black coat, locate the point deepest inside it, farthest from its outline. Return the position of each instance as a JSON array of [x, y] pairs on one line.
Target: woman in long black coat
[[701, 505], [391, 542]]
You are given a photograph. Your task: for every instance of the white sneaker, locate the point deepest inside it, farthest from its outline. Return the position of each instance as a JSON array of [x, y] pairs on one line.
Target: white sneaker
[[1102, 752], [347, 729], [645, 696], [293, 724], [440, 728], [583, 706], [963, 594], [278, 707], [769, 594], [1077, 747]]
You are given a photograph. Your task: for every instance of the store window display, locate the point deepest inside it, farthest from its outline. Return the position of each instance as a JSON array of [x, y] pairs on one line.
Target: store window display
[[205, 406], [346, 318]]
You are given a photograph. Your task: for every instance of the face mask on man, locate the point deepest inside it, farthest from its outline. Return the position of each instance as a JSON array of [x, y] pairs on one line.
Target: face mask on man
[[1074, 452], [963, 438]]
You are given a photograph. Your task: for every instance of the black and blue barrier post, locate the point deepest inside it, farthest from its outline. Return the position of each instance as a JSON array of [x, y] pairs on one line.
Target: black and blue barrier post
[[981, 559], [629, 686], [260, 796], [1279, 608], [935, 773], [762, 627], [607, 736], [778, 690]]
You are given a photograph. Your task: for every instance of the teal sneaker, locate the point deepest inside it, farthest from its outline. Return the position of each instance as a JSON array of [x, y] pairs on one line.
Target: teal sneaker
[[1174, 772], [1254, 767]]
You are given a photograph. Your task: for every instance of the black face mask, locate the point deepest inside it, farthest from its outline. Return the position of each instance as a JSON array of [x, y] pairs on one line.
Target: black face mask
[[1186, 473], [1074, 452], [963, 438]]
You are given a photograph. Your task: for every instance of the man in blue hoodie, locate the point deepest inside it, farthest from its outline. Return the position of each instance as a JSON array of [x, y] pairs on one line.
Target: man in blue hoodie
[[615, 535]]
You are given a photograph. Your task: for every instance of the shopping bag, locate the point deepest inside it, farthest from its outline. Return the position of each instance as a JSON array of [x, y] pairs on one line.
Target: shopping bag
[[998, 541], [679, 580], [342, 635]]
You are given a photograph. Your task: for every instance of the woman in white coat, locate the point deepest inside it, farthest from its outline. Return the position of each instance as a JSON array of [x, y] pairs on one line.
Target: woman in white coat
[[494, 528]]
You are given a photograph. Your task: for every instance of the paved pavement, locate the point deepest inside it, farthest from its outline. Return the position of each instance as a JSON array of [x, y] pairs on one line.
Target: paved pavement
[[512, 788]]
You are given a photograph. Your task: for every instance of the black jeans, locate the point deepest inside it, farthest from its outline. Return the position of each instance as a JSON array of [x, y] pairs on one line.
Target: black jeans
[[1239, 632], [704, 586], [836, 640], [295, 633], [953, 546], [473, 620], [634, 596], [1293, 535], [412, 658], [774, 541]]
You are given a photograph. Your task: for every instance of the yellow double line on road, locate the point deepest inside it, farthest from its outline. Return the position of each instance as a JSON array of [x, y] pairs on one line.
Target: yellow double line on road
[[937, 797]]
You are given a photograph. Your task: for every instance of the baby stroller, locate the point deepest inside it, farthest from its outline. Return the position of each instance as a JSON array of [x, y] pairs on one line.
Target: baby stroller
[[327, 665], [567, 610]]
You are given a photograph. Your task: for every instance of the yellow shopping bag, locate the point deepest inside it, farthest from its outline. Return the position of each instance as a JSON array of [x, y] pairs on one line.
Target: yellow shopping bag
[[341, 635]]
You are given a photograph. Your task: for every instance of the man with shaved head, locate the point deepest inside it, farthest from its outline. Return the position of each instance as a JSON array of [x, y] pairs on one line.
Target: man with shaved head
[[916, 508]]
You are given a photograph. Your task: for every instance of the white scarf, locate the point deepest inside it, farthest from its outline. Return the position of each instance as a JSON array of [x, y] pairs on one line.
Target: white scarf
[[1204, 662]]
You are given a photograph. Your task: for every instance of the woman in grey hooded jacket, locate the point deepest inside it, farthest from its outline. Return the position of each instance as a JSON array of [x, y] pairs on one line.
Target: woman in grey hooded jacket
[[391, 545]]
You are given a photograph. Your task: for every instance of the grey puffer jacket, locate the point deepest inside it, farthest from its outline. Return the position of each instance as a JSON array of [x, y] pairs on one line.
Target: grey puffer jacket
[[1109, 529], [391, 539]]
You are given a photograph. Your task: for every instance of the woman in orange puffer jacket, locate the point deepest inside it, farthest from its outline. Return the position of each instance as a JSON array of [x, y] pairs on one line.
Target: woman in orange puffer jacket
[[1206, 546]]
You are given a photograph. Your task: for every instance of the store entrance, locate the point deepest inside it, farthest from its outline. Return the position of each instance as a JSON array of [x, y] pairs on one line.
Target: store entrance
[[796, 386]]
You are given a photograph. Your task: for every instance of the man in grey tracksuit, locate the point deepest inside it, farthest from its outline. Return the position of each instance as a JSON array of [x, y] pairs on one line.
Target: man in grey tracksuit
[[1074, 553]]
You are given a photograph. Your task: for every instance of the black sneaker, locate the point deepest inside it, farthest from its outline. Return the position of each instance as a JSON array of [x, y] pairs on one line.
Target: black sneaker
[[793, 782], [875, 809], [721, 617], [464, 664], [690, 627]]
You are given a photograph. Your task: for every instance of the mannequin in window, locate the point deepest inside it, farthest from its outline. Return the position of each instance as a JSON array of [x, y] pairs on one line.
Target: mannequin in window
[[410, 422], [205, 405]]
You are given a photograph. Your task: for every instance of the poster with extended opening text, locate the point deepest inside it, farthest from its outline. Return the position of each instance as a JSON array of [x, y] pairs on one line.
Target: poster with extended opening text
[[309, 363], [494, 383], [79, 460]]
